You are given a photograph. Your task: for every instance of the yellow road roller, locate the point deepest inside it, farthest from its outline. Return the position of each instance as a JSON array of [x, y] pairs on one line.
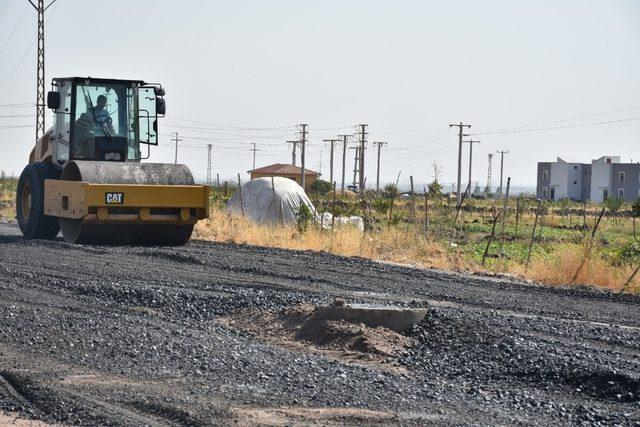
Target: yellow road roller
[[86, 178]]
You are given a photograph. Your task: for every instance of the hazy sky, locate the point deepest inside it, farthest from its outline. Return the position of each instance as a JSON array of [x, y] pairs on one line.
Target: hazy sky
[[249, 71]]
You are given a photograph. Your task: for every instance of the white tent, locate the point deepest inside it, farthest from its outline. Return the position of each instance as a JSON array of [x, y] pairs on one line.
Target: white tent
[[271, 200]]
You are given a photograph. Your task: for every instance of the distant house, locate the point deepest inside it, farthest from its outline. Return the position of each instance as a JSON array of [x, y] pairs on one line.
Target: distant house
[[286, 171], [594, 181]]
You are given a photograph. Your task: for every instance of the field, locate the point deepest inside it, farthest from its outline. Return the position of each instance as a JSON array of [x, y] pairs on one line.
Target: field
[[563, 251]]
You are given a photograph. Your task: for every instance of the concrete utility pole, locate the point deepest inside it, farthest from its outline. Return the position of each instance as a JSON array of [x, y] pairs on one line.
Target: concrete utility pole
[[293, 153], [487, 189], [502, 153], [176, 140], [209, 164], [363, 141], [379, 144], [40, 104], [461, 135], [344, 158], [332, 141], [254, 149], [471, 161], [355, 165], [303, 141]]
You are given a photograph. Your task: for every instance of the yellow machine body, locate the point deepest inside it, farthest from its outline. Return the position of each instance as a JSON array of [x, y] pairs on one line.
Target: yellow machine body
[[126, 203]]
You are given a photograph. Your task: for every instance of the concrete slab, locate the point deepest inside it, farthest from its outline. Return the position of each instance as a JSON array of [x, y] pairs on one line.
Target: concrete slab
[[396, 318]]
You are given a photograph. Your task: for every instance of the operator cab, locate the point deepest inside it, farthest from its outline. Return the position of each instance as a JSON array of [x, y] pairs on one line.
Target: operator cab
[[104, 119]]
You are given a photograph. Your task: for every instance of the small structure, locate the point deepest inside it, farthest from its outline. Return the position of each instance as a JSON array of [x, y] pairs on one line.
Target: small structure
[[286, 171], [271, 201]]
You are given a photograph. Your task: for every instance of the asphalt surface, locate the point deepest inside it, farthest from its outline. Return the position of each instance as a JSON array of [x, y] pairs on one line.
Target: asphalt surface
[[128, 336]]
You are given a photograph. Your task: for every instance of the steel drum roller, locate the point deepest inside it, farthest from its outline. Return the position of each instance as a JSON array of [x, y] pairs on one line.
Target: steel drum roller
[[99, 172]]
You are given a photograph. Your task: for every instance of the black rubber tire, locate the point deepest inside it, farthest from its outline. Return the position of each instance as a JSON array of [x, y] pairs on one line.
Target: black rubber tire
[[33, 223]]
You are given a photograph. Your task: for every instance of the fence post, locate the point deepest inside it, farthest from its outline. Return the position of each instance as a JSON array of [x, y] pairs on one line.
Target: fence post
[[505, 206], [533, 235], [633, 275], [517, 216], [240, 190], [589, 246], [426, 211], [413, 202], [493, 233]]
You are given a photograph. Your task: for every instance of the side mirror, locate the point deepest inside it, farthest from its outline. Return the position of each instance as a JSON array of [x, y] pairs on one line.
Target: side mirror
[[159, 90], [53, 100], [161, 107]]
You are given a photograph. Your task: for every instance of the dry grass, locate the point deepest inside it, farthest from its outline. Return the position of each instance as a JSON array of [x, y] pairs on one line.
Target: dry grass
[[391, 244], [407, 245], [560, 267]]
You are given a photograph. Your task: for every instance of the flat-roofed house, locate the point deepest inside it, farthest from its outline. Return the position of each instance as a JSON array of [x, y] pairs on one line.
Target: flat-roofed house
[[595, 181]]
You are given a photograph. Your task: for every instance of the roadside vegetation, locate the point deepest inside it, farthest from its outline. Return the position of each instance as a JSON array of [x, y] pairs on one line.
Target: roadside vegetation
[[8, 185], [564, 250]]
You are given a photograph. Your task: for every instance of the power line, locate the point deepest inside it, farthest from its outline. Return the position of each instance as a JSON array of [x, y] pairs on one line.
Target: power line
[[14, 28], [524, 130]]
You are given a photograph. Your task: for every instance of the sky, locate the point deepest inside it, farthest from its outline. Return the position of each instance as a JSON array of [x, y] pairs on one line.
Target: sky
[[539, 79]]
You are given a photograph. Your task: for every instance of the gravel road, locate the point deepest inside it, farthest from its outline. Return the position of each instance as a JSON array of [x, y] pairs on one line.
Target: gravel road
[[129, 336]]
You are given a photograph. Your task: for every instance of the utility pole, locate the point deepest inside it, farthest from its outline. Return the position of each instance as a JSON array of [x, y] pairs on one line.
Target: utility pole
[[502, 153], [176, 140], [471, 161], [209, 165], [303, 141], [40, 103], [461, 135], [254, 149], [344, 159], [363, 141], [293, 153], [332, 141], [379, 144], [487, 189], [355, 164]]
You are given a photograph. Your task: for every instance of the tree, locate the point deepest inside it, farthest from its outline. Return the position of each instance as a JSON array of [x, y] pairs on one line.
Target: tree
[[390, 191], [435, 188], [321, 187], [613, 204]]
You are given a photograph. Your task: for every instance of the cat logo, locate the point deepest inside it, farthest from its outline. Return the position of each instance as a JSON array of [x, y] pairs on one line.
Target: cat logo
[[114, 198]]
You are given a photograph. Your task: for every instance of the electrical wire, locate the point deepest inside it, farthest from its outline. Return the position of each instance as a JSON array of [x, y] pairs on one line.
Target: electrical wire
[[14, 29], [24, 56], [502, 132]]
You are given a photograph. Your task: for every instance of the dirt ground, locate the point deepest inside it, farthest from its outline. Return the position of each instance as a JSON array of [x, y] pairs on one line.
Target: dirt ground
[[156, 336]]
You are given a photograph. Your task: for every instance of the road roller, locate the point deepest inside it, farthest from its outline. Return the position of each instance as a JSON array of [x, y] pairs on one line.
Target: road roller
[[86, 178]]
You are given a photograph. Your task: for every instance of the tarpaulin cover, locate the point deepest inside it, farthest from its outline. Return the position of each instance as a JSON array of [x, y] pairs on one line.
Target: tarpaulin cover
[[267, 201]]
